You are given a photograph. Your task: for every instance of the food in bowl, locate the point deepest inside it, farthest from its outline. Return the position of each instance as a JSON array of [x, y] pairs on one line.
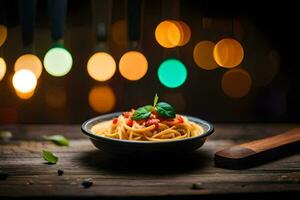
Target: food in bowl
[[157, 122]]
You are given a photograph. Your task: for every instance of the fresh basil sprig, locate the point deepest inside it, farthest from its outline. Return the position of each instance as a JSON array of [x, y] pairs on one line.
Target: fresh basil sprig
[[165, 110], [162, 108], [142, 112], [60, 140]]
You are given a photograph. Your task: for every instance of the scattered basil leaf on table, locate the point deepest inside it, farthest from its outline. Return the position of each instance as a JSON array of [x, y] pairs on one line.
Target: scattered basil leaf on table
[[58, 139], [165, 110], [49, 157], [142, 113]]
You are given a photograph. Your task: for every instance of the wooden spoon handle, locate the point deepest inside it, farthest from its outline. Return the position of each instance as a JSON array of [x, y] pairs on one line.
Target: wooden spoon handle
[[259, 151]]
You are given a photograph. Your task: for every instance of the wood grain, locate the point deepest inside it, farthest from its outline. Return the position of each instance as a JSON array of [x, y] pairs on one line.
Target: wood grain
[[30, 177]]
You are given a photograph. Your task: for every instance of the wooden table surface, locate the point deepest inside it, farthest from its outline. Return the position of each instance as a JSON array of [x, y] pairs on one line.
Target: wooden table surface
[[30, 177]]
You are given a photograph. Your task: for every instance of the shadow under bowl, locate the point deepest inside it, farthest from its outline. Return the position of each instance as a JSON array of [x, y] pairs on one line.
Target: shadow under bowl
[[145, 148]]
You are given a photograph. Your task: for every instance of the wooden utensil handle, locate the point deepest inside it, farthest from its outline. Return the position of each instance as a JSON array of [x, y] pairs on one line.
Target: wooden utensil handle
[[259, 151], [290, 136]]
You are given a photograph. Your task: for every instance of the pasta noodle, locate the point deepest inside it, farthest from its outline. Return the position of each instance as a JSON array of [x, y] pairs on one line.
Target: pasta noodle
[[152, 129]]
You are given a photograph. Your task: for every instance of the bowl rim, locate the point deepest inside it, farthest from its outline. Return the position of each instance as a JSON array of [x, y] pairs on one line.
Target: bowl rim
[[111, 115]]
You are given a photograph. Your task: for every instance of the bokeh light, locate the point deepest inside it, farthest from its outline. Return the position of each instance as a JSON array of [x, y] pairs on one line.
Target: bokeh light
[[101, 66], [185, 33], [3, 34], [228, 53], [133, 65], [30, 62], [56, 97], [236, 82], [2, 68], [58, 61], [102, 99], [172, 73], [24, 81], [119, 32], [24, 95], [168, 34], [203, 55]]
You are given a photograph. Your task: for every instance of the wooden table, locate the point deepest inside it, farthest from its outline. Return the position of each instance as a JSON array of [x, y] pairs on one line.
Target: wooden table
[[30, 177]]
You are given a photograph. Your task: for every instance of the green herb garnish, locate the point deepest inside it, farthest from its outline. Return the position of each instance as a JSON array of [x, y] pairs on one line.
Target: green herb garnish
[[58, 139], [49, 157], [162, 108]]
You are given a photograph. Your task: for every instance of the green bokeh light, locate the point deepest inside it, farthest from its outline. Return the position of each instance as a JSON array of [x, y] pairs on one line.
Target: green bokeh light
[[58, 61], [172, 73]]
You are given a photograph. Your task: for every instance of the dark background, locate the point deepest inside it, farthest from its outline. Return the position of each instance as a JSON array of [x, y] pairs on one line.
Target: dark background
[[264, 28]]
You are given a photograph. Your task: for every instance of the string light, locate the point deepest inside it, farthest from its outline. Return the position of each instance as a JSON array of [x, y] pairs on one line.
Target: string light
[[58, 61], [102, 99], [101, 66], [172, 73], [168, 34]]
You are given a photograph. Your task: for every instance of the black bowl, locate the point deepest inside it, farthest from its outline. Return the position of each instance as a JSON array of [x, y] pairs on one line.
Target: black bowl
[[137, 148]]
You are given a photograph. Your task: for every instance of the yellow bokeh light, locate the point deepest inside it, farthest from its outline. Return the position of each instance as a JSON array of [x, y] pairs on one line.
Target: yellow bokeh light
[[236, 82], [24, 81], [133, 65], [119, 32], [228, 53], [56, 97], [102, 99], [101, 66], [30, 62], [168, 34], [3, 34], [26, 95], [203, 55], [2, 68]]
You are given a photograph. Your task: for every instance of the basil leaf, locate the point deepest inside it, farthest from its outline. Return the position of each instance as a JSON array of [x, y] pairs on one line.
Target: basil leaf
[[49, 157], [142, 112], [165, 110], [58, 139], [155, 100]]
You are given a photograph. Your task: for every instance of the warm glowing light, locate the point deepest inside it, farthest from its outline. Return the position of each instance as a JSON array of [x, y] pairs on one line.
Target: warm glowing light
[[203, 55], [172, 73], [228, 53], [3, 34], [56, 97], [168, 34], [185, 33], [236, 82], [102, 99], [133, 65], [101, 66], [24, 81], [30, 62], [58, 61], [2, 68], [119, 32], [26, 95]]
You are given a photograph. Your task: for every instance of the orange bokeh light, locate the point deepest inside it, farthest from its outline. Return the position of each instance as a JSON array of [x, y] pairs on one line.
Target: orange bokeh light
[[236, 82], [30, 62], [133, 65], [102, 99], [2, 68], [3, 34], [228, 53], [168, 34], [185, 33], [101, 66], [23, 95], [203, 55]]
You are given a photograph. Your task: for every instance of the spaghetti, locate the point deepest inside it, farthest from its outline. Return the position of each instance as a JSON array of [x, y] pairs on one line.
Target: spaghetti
[[153, 128]]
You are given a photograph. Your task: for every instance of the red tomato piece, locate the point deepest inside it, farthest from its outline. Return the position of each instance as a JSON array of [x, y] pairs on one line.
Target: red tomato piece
[[126, 114], [129, 123], [115, 120]]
